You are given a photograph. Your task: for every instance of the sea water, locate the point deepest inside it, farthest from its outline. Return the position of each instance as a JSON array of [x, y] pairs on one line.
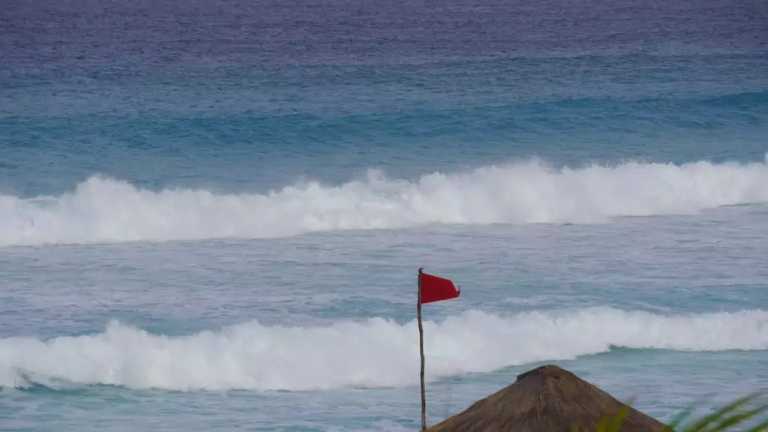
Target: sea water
[[212, 213]]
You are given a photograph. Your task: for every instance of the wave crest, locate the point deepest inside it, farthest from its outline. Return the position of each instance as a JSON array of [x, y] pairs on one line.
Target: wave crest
[[376, 352], [106, 210]]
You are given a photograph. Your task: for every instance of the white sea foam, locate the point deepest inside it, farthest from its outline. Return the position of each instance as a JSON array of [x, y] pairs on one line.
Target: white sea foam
[[376, 352], [107, 210]]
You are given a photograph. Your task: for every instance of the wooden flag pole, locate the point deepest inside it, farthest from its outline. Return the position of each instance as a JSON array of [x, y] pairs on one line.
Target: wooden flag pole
[[421, 352], [431, 289]]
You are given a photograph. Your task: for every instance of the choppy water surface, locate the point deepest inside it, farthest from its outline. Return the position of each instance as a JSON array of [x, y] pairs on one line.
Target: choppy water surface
[[211, 214]]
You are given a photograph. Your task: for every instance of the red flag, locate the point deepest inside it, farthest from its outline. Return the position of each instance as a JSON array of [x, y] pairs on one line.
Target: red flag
[[434, 288]]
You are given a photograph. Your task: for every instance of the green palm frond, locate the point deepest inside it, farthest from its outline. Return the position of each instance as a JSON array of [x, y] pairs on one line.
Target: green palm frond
[[679, 419], [736, 413], [613, 423], [746, 414], [760, 427]]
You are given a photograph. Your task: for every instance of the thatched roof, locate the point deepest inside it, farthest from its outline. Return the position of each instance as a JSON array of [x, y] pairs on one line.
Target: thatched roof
[[545, 399]]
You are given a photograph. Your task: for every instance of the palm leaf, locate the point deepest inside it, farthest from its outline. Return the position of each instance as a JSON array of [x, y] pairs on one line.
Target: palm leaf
[[737, 414], [705, 423]]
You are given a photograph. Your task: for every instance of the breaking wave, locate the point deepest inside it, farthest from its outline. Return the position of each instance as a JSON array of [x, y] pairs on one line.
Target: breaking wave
[[376, 352], [107, 210]]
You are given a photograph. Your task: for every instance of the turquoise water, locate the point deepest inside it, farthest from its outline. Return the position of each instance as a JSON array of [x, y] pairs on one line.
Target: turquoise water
[[211, 215]]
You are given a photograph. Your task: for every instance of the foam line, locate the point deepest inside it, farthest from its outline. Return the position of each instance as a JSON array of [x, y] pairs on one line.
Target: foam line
[[376, 352], [107, 210]]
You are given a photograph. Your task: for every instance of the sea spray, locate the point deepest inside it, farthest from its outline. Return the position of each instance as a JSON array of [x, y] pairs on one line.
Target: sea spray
[[107, 210], [371, 353]]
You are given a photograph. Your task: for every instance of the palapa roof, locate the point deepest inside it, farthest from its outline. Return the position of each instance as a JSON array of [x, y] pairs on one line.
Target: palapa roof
[[546, 399]]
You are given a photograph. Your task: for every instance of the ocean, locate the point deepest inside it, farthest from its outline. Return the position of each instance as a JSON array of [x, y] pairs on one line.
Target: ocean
[[212, 213]]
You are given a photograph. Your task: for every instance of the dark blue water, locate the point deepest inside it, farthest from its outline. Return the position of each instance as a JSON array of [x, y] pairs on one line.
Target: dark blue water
[[248, 96]]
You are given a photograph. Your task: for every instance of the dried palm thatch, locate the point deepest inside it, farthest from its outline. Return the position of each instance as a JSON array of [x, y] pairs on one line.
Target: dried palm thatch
[[547, 399]]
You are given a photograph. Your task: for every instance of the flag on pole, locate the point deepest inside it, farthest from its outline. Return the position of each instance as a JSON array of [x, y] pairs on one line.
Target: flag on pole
[[435, 288], [431, 289]]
